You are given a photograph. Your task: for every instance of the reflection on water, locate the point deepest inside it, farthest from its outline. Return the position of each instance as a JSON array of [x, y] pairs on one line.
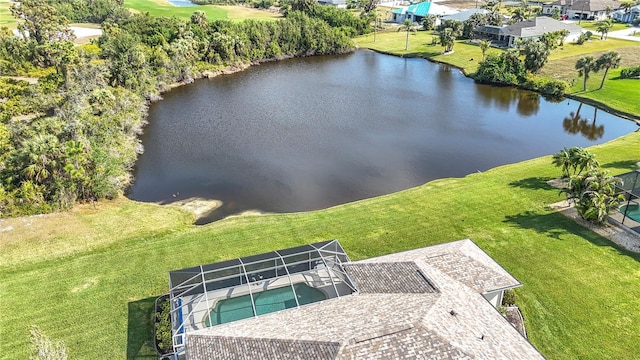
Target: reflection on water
[[311, 133], [576, 124]]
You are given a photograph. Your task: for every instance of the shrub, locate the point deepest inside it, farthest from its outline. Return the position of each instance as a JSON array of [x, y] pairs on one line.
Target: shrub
[[630, 72], [164, 342], [509, 298]]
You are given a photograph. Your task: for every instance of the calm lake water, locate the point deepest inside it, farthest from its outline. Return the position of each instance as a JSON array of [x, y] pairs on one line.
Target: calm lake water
[[311, 133]]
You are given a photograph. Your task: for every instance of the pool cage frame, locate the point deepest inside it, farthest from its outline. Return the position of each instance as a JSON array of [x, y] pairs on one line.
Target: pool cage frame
[[629, 187], [245, 273]]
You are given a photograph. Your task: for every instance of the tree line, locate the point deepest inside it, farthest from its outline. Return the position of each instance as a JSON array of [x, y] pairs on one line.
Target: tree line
[[74, 135]]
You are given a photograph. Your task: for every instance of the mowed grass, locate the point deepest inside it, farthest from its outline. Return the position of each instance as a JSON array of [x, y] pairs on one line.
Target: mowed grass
[[618, 94], [580, 295], [164, 8], [593, 26], [465, 56], [6, 19]]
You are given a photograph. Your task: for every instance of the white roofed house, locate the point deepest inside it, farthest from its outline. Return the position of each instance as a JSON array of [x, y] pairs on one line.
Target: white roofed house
[[507, 36], [436, 302], [417, 12]]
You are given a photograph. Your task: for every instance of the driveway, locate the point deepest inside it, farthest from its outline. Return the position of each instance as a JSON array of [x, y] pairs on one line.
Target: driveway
[[626, 34]]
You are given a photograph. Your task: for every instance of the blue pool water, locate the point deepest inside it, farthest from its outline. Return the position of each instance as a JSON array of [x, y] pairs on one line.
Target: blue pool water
[[238, 308], [633, 213]]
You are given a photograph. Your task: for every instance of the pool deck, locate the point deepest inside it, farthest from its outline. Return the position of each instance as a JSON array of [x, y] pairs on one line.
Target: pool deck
[[195, 308]]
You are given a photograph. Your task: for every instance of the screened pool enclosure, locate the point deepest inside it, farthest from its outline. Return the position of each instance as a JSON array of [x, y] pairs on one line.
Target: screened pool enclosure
[[217, 293], [629, 211]]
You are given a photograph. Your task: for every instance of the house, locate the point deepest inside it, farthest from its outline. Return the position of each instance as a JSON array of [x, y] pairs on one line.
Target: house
[[436, 302], [464, 15], [626, 16], [337, 3], [582, 9], [507, 36], [417, 12]]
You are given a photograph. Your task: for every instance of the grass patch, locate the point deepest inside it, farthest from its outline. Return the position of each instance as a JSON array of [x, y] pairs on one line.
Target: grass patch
[[618, 94], [593, 27], [465, 56], [164, 8], [579, 298], [6, 19], [238, 12]]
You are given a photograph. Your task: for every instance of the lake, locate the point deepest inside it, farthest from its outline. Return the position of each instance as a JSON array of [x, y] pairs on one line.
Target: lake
[[311, 133]]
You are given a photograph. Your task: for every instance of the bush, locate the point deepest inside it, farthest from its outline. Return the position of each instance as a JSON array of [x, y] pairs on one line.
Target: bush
[[164, 342], [509, 298], [630, 73], [548, 87]]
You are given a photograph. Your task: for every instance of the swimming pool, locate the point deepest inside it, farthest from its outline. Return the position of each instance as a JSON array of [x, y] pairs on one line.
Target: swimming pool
[[633, 212], [238, 308]]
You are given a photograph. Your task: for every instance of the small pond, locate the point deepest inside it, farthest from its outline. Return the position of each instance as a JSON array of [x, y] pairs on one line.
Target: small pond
[[310, 133]]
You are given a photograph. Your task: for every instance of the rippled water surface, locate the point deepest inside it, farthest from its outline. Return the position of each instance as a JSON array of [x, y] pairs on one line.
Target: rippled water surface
[[310, 133]]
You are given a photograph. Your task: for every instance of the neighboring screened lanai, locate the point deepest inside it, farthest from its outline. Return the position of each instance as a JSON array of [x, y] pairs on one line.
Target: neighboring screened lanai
[[217, 293], [629, 187]]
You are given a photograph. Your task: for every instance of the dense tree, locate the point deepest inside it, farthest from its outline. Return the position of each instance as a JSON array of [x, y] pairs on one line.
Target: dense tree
[[585, 65], [536, 54], [87, 111], [506, 68], [606, 61], [447, 39], [428, 22], [40, 22]]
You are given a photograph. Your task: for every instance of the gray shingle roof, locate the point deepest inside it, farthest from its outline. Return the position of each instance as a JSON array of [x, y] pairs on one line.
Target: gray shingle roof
[[388, 278], [202, 347], [456, 322], [539, 26]]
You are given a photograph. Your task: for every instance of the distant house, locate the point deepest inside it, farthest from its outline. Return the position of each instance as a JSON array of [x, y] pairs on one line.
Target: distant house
[[582, 9], [626, 17], [464, 15], [507, 36], [336, 3], [417, 12]]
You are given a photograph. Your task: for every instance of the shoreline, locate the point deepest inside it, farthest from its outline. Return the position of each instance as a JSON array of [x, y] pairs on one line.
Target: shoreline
[[601, 106]]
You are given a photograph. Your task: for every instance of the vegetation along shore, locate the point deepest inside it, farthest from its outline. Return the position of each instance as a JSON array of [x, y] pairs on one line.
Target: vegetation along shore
[[88, 271]]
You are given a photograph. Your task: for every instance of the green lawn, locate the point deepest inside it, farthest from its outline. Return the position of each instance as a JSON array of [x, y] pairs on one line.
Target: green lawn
[[592, 26], [164, 8], [6, 19], [89, 277], [465, 56]]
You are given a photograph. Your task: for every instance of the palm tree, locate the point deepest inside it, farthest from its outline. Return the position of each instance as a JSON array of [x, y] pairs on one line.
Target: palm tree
[[562, 159], [407, 25], [585, 65], [519, 14], [603, 27], [562, 34], [607, 61], [484, 46]]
